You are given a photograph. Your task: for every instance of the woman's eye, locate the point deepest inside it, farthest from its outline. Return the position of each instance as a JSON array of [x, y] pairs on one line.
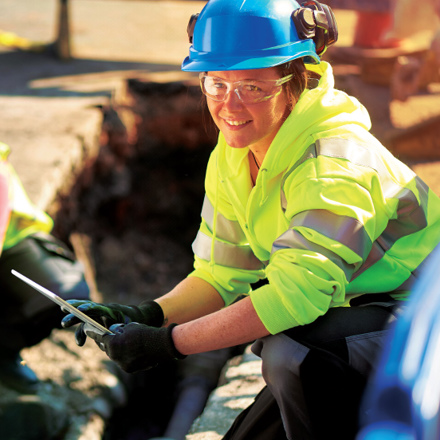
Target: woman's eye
[[252, 88], [219, 85]]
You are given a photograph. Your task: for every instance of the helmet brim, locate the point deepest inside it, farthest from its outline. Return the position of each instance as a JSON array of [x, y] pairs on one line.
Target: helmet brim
[[219, 65]]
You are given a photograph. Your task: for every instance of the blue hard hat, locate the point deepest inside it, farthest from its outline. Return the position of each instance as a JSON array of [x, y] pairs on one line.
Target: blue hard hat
[[255, 34]]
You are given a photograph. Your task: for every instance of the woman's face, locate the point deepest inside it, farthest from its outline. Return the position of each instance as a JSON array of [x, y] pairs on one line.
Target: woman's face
[[249, 125]]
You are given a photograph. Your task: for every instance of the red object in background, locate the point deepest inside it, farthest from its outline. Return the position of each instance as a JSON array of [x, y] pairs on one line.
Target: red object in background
[[371, 28]]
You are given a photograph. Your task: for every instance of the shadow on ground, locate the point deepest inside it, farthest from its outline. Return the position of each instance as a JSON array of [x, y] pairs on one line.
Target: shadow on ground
[[47, 76]]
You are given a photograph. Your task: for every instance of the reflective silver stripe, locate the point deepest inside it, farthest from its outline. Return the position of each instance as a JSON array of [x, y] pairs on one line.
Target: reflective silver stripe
[[292, 239], [225, 229], [225, 254], [346, 230], [349, 150], [411, 218], [376, 253]]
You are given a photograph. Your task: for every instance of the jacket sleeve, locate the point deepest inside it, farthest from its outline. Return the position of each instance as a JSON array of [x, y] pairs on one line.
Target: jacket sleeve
[[335, 213], [222, 254]]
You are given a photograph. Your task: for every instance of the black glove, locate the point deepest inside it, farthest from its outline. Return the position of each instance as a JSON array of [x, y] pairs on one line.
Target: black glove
[[136, 347], [148, 312]]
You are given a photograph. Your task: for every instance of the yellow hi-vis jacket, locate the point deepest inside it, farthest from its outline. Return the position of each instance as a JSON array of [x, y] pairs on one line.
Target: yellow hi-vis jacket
[[333, 215], [19, 217]]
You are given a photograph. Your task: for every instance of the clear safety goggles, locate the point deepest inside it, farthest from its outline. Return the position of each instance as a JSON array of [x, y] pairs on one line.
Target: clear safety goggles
[[249, 91]]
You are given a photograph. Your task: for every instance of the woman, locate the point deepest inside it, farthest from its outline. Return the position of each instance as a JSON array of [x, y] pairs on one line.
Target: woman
[[298, 194]]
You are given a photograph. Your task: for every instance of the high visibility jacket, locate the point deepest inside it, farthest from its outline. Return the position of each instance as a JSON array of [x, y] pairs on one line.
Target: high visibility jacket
[[19, 217], [333, 215]]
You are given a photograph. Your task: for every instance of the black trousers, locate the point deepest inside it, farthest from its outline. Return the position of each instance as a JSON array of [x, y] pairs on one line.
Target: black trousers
[[26, 316], [316, 375]]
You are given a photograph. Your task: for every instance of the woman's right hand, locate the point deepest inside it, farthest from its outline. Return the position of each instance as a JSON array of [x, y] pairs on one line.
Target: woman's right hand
[[148, 312]]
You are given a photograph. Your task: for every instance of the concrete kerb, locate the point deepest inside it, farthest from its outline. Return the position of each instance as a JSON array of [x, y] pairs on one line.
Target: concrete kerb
[[241, 382], [50, 147]]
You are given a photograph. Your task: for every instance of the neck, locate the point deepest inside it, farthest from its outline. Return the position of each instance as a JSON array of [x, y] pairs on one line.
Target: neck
[[256, 161], [257, 156], [254, 166]]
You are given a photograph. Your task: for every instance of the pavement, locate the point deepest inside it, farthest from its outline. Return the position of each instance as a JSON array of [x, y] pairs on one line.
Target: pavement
[[49, 107]]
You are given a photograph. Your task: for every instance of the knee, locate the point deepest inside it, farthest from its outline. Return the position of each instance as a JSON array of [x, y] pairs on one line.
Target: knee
[[282, 358], [77, 290], [72, 284]]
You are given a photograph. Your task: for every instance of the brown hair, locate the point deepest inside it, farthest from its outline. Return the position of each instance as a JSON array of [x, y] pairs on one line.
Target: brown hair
[[299, 82]]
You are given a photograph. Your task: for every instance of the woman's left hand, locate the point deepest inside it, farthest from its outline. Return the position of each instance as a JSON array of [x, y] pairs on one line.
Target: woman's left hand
[[136, 347]]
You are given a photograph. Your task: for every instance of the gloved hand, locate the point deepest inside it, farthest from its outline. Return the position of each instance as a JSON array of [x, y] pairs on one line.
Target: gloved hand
[[148, 312], [136, 347]]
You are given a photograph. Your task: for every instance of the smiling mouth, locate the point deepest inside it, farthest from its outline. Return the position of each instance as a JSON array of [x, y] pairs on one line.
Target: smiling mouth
[[236, 123]]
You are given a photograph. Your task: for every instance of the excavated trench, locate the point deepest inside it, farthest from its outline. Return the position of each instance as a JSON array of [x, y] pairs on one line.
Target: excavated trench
[[135, 208]]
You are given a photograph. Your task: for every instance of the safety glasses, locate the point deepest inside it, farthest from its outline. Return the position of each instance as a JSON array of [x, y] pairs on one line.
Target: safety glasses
[[249, 91]]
